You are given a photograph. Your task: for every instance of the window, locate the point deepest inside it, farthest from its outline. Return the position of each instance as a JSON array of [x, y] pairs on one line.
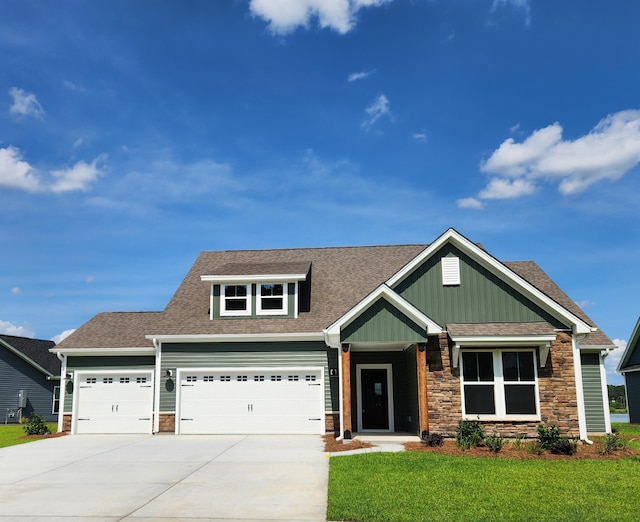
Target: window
[[499, 384], [236, 300], [56, 400], [271, 299]]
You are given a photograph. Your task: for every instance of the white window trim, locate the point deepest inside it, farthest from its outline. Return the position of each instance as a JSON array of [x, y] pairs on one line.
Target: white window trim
[[498, 386], [223, 301], [285, 300], [54, 400]]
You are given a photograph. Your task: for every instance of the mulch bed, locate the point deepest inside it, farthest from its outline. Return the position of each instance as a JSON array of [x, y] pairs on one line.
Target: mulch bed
[[331, 445], [585, 451], [48, 436]]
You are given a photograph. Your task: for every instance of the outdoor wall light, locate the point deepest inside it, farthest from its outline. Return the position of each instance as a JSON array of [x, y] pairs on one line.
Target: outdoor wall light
[[69, 375], [168, 374]]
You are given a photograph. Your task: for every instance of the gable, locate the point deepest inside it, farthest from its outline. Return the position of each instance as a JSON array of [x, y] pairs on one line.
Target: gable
[[481, 296], [383, 322], [631, 357]]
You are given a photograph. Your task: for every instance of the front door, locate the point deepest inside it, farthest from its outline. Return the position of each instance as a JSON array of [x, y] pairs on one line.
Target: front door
[[375, 399]]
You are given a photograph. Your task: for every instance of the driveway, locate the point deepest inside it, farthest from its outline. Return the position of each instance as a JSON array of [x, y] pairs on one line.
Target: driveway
[[165, 477]]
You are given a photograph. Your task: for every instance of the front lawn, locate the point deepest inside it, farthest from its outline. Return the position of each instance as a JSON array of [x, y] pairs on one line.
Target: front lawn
[[420, 486], [12, 434]]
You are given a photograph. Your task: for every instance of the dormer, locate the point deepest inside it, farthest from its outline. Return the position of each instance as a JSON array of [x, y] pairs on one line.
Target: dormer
[[257, 290]]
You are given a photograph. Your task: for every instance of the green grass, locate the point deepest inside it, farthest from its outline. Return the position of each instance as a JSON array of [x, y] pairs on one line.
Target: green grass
[[10, 433], [413, 486], [629, 430]]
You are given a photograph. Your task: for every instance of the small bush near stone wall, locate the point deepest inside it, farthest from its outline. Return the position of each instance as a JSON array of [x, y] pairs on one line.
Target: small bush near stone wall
[[547, 436], [494, 443], [433, 439], [564, 446], [469, 434], [36, 425]]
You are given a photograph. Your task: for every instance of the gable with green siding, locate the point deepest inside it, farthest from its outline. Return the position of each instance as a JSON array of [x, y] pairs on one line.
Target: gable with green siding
[[481, 297], [383, 322]]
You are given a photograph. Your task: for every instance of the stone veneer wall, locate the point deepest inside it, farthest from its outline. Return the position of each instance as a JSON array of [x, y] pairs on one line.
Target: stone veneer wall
[[332, 422], [167, 423], [556, 384], [66, 422]]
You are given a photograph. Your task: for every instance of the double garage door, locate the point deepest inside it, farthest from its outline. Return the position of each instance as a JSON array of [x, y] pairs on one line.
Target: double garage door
[[250, 401], [113, 402]]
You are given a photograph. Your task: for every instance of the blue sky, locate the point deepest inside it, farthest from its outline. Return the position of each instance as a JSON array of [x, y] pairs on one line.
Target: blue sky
[[135, 134]]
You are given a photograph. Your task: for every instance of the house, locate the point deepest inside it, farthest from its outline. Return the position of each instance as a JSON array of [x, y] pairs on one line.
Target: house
[[402, 338], [29, 378], [629, 366]]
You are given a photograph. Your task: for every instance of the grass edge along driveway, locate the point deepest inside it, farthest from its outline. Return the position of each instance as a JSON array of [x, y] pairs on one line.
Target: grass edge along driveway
[[414, 486]]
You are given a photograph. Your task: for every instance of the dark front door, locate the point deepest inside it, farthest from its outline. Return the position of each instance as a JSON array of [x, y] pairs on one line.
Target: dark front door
[[375, 399]]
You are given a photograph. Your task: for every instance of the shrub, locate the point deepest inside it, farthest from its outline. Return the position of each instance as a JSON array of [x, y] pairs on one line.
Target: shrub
[[563, 446], [611, 443], [433, 439], [36, 425], [534, 448], [469, 434], [494, 442], [547, 436], [517, 441]]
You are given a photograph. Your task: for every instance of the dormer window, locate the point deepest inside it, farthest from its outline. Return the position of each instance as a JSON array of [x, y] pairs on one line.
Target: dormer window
[[236, 300], [272, 299]]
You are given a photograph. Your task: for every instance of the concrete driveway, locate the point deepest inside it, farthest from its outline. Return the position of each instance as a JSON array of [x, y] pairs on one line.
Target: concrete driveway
[[165, 477]]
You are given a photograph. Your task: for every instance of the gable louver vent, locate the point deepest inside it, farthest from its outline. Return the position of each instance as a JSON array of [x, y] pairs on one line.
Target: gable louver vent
[[450, 271]]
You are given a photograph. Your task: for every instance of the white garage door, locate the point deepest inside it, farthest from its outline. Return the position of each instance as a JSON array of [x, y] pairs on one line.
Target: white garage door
[[113, 403], [256, 401]]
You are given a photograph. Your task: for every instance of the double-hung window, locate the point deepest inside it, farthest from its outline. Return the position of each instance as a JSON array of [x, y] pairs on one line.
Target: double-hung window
[[271, 299], [236, 300], [55, 407], [500, 384]]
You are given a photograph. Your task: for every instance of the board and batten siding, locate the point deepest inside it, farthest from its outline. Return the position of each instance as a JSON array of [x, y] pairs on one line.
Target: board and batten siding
[[103, 363], [481, 297], [239, 355], [592, 391], [632, 382], [17, 374], [382, 322]]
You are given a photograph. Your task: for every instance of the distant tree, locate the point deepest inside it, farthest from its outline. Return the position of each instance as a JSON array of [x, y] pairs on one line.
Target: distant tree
[[617, 397]]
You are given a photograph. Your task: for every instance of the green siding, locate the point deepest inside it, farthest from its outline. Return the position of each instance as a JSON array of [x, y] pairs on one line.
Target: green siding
[[290, 303], [106, 363], [481, 297], [634, 358], [382, 322], [632, 382], [592, 390], [238, 355]]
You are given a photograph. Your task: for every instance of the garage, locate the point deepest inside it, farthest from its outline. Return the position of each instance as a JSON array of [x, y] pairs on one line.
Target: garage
[[251, 401], [113, 402]]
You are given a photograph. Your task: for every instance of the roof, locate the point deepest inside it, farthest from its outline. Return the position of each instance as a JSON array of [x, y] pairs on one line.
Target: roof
[[340, 278], [628, 363], [34, 351]]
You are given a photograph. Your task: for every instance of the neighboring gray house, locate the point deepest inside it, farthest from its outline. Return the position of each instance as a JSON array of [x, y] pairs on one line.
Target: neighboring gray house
[[393, 338], [629, 367], [29, 379]]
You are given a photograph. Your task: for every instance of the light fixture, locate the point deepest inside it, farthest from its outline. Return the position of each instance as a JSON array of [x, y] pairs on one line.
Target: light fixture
[[168, 374]]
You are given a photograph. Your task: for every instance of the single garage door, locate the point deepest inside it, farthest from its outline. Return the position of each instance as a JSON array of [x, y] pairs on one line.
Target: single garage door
[[114, 402], [255, 401]]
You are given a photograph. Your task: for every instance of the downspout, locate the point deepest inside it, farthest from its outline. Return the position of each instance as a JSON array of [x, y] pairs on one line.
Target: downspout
[[63, 382], [156, 391], [582, 419]]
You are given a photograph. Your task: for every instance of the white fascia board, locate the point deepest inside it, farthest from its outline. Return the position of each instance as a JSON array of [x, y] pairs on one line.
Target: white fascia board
[[332, 333], [239, 338], [71, 352], [497, 268], [253, 278], [633, 340], [543, 342], [26, 359]]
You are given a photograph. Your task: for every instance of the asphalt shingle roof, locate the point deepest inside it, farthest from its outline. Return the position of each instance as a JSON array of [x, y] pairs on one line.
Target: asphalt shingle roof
[[37, 350], [340, 278]]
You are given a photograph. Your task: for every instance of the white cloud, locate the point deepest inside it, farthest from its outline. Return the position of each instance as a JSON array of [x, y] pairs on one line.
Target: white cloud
[[612, 361], [61, 336], [608, 152], [11, 329], [375, 111], [284, 16], [470, 203], [522, 5], [16, 290], [421, 136], [353, 77], [15, 173], [25, 103]]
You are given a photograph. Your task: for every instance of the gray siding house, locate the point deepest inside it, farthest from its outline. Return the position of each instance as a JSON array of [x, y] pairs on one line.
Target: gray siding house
[[29, 378], [629, 366], [347, 340]]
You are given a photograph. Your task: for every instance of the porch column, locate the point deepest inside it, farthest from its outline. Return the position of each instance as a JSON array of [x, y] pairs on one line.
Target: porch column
[[346, 391], [423, 402]]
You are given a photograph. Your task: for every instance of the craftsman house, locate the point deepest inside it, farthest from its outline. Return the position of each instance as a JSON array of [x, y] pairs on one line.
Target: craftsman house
[[629, 366], [407, 338], [29, 378]]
